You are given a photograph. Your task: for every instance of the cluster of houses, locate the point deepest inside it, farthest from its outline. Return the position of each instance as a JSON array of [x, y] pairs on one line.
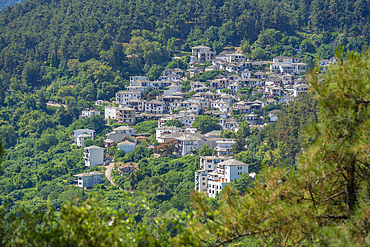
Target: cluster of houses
[[220, 98]]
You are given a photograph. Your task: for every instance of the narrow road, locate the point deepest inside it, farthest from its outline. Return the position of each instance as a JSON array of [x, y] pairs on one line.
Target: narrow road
[[108, 173], [109, 177]]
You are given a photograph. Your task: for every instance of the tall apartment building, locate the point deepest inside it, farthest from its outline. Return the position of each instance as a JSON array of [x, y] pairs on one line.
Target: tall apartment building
[[93, 155], [223, 173], [126, 115]]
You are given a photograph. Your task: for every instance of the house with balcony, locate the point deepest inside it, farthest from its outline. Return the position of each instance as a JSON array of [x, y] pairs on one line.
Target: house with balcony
[[300, 89], [277, 61], [120, 132], [126, 115], [154, 107], [93, 156], [224, 147], [204, 56], [209, 163], [89, 113], [126, 169], [108, 143], [78, 132], [201, 181], [236, 57], [253, 119], [88, 180], [123, 96], [196, 50], [188, 142], [225, 173], [81, 139], [160, 132], [137, 78]]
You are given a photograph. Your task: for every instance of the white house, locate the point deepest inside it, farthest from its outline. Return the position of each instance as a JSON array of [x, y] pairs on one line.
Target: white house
[[299, 89], [277, 61], [81, 139], [88, 180], [126, 146], [89, 113], [196, 108], [93, 155], [137, 78], [154, 106], [246, 74], [110, 112], [204, 56], [236, 57], [200, 48], [285, 99], [224, 147], [165, 130], [225, 173], [273, 115], [209, 163], [172, 89], [234, 86], [201, 181], [120, 132], [186, 143], [123, 96], [78, 132]]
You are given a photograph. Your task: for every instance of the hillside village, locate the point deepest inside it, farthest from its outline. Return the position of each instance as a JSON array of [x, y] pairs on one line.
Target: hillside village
[[241, 91]]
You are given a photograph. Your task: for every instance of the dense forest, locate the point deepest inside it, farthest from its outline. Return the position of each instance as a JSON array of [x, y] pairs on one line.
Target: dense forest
[[140, 37]]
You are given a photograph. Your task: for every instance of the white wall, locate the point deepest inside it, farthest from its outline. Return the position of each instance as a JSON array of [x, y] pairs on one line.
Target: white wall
[[127, 148], [110, 112], [96, 157], [80, 132]]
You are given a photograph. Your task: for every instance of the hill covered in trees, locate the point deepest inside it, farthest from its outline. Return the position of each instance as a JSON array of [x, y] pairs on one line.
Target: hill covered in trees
[[135, 37], [5, 3]]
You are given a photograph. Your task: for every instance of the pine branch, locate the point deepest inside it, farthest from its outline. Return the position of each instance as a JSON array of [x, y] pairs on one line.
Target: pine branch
[[236, 237], [331, 197], [336, 217]]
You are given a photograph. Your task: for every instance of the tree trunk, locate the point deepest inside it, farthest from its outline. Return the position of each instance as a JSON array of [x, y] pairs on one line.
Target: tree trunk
[[351, 190]]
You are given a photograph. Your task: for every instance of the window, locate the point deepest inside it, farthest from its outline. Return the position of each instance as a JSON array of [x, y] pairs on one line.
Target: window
[[213, 186], [203, 178], [204, 184], [209, 166]]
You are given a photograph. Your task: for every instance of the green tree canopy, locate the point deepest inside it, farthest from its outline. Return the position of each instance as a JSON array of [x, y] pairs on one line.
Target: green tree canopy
[[206, 151], [173, 122], [206, 124]]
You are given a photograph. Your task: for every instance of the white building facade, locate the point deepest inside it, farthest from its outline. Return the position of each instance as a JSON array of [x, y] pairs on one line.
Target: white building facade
[[93, 156], [88, 180]]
